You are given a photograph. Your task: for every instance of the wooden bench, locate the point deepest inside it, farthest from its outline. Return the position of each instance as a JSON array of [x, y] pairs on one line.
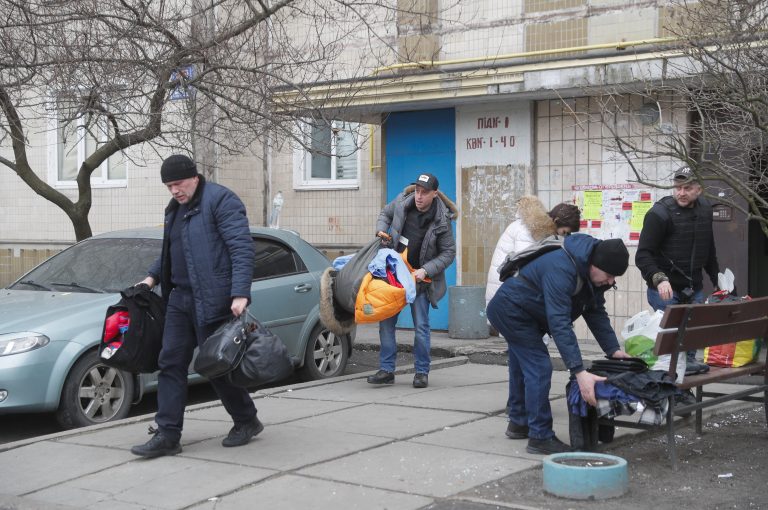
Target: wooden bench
[[696, 326]]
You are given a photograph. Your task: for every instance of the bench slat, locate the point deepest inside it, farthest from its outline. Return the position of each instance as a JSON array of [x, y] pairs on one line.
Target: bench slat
[[714, 314], [707, 336], [717, 374]]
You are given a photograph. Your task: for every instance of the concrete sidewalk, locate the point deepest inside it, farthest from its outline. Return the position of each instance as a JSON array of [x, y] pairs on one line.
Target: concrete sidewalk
[[326, 445]]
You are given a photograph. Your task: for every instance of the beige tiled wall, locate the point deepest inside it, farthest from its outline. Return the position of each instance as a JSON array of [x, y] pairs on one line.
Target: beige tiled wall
[[557, 34], [551, 5], [338, 219]]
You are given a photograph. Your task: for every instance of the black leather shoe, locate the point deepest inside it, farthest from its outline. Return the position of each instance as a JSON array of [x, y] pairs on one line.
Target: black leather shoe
[[546, 446], [158, 446], [381, 377], [517, 431], [420, 381], [693, 367], [242, 433]]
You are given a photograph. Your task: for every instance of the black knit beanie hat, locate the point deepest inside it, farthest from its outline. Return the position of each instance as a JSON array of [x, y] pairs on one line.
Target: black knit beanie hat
[[176, 168], [611, 256]]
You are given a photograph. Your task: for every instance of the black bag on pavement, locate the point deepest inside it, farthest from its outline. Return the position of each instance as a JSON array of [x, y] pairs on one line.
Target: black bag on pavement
[[142, 341], [223, 350], [265, 360]]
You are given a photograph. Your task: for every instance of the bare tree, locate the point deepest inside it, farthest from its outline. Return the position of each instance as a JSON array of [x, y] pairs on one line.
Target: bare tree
[[195, 75], [710, 111]]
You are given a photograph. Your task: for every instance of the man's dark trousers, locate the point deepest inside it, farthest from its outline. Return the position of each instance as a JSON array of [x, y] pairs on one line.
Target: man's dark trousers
[[530, 368], [180, 337]]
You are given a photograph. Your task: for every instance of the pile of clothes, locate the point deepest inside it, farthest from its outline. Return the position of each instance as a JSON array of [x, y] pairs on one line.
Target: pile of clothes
[[370, 286], [630, 387]]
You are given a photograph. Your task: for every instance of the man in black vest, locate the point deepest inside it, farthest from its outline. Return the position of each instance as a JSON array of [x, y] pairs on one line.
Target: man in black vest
[[676, 243]]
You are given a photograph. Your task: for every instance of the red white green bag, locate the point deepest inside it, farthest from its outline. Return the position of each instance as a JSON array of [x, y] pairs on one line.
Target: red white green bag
[[735, 354]]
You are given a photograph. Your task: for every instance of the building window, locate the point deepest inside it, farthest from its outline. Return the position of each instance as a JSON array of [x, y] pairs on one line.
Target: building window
[[330, 156], [71, 140]]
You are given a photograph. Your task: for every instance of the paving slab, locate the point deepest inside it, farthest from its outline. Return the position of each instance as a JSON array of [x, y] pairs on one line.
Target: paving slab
[[276, 409], [355, 391], [422, 469], [39, 465], [490, 398], [291, 492], [131, 434], [286, 447], [484, 435], [382, 420], [182, 482]]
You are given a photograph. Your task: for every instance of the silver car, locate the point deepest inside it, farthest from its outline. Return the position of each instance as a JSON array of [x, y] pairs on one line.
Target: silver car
[[51, 322]]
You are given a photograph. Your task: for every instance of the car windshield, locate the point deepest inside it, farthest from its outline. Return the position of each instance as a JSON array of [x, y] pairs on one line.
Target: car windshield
[[94, 265]]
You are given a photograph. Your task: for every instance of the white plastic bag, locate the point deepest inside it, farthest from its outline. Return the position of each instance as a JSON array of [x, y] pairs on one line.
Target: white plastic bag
[[663, 364], [646, 323]]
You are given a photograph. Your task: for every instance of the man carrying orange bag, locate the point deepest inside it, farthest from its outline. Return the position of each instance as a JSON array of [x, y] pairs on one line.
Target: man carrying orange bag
[[419, 220]]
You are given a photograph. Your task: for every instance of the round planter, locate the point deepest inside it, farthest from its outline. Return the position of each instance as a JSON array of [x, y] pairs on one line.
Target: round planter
[[585, 475]]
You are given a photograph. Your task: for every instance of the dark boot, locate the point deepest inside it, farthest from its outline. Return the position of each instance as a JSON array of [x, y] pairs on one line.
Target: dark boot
[[420, 380], [517, 431], [158, 446], [242, 433], [381, 377], [692, 366], [547, 446]]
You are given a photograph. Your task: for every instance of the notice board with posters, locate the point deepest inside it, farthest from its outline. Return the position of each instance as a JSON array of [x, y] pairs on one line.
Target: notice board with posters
[[613, 211]]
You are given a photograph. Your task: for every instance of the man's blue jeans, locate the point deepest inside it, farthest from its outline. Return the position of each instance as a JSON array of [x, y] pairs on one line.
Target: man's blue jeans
[[659, 304], [421, 337], [530, 379], [530, 368]]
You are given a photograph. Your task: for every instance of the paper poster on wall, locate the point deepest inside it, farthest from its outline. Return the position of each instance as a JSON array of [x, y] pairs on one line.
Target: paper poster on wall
[[610, 211]]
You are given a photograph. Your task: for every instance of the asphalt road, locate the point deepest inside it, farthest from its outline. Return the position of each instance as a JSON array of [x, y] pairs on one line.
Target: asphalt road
[[23, 426]]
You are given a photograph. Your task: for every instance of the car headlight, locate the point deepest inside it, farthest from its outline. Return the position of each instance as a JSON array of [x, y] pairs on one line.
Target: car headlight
[[15, 343]]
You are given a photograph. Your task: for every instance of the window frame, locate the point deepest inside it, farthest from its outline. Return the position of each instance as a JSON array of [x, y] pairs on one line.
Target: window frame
[[299, 265], [101, 180], [302, 164]]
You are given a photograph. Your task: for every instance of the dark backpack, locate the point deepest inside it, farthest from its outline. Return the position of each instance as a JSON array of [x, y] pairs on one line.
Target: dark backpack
[[142, 341], [516, 260]]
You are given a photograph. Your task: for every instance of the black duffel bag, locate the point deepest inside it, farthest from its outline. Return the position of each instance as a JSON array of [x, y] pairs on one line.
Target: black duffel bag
[[223, 350], [266, 359], [140, 344]]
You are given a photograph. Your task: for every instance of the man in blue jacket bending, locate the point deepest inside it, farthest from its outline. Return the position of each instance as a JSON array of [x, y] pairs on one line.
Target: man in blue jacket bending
[[547, 295], [205, 269]]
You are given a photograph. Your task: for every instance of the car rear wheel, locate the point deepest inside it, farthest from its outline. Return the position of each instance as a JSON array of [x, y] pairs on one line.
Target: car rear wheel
[[326, 355], [94, 393]]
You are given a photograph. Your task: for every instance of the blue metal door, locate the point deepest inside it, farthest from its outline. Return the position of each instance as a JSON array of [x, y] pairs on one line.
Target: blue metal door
[[423, 141]]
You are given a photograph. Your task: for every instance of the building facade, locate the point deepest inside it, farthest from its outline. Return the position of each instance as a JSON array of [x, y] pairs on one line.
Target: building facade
[[498, 99]]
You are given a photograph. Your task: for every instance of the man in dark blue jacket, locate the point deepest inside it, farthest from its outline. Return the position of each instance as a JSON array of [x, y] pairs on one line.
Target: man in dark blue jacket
[[205, 270], [549, 293]]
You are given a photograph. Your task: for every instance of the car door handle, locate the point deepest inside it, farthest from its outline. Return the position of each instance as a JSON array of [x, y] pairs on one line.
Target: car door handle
[[302, 288]]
